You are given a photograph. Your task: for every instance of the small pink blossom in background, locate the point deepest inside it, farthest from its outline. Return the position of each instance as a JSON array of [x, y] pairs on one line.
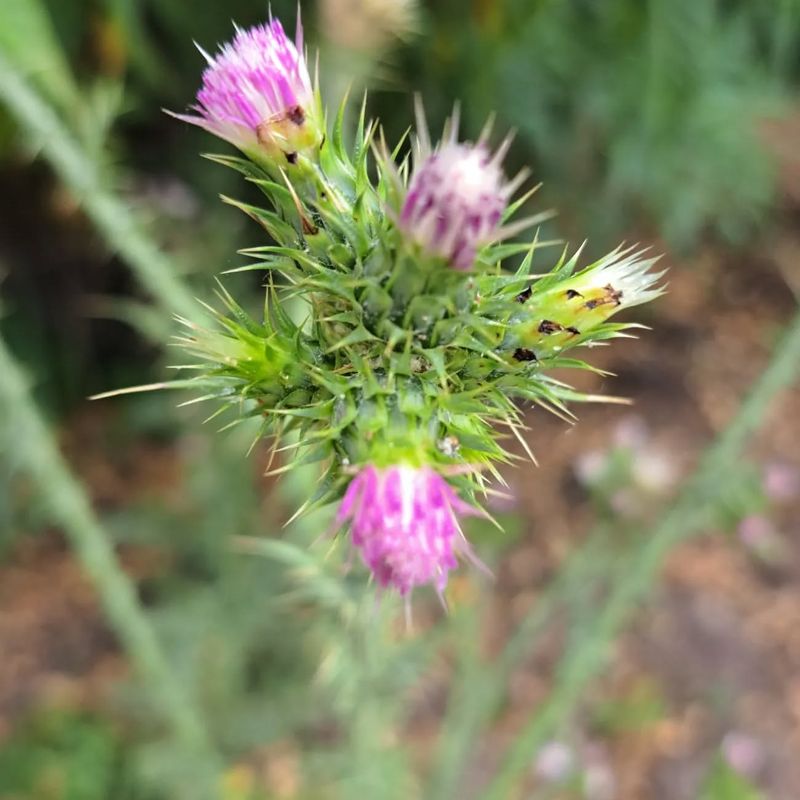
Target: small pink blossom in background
[[654, 470], [599, 781], [590, 466], [455, 202], [404, 523], [651, 469], [256, 91], [759, 535], [555, 762], [743, 753], [756, 530], [631, 432], [781, 481]]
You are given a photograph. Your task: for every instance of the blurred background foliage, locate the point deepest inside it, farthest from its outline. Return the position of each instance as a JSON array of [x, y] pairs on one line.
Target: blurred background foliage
[[638, 114], [645, 120]]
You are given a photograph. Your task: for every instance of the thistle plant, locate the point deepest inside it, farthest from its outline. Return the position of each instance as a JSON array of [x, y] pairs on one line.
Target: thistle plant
[[418, 345]]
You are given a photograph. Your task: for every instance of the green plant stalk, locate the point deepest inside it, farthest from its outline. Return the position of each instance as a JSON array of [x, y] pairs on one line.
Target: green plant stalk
[[691, 510], [367, 724], [28, 38], [480, 686], [82, 177], [784, 30], [40, 458]]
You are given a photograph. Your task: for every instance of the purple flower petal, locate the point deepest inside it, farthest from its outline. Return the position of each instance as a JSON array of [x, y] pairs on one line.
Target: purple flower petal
[[404, 525], [257, 91], [455, 202]]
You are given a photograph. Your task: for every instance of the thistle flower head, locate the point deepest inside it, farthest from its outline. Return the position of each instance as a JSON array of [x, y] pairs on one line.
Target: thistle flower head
[[404, 524], [455, 201], [257, 93]]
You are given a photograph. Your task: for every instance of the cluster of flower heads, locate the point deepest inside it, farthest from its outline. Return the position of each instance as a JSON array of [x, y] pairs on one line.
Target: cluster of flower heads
[[420, 343]]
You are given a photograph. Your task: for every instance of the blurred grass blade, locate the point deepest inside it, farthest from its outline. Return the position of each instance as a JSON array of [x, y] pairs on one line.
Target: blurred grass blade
[[39, 457], [692, 508], [82, 176], [28, 41], [785, 31]]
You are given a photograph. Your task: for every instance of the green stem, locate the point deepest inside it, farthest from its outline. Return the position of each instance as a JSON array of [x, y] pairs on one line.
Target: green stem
[[40, 457], [784, 31], [480, 686], [111, 216], [687, 515]]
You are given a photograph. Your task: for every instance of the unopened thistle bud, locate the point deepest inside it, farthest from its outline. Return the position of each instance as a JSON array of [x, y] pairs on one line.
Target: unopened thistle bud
[[257, 94], [404, 523], [455, 202], [566, 313]]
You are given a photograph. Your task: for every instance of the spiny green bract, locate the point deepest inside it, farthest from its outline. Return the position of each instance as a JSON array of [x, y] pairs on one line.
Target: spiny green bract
[[401, 359]]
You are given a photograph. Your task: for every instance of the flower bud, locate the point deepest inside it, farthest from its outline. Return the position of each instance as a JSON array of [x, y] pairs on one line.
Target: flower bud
[[564, 314], [257, 94], [455, 202], [404, 525]]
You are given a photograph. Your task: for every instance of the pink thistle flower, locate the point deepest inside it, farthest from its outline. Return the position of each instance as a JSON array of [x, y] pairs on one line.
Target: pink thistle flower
[[404, 524], [257, 93], [455, 203], [457, 196]]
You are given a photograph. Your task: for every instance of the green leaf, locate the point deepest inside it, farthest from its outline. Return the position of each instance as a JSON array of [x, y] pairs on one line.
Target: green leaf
[[29, 42]]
